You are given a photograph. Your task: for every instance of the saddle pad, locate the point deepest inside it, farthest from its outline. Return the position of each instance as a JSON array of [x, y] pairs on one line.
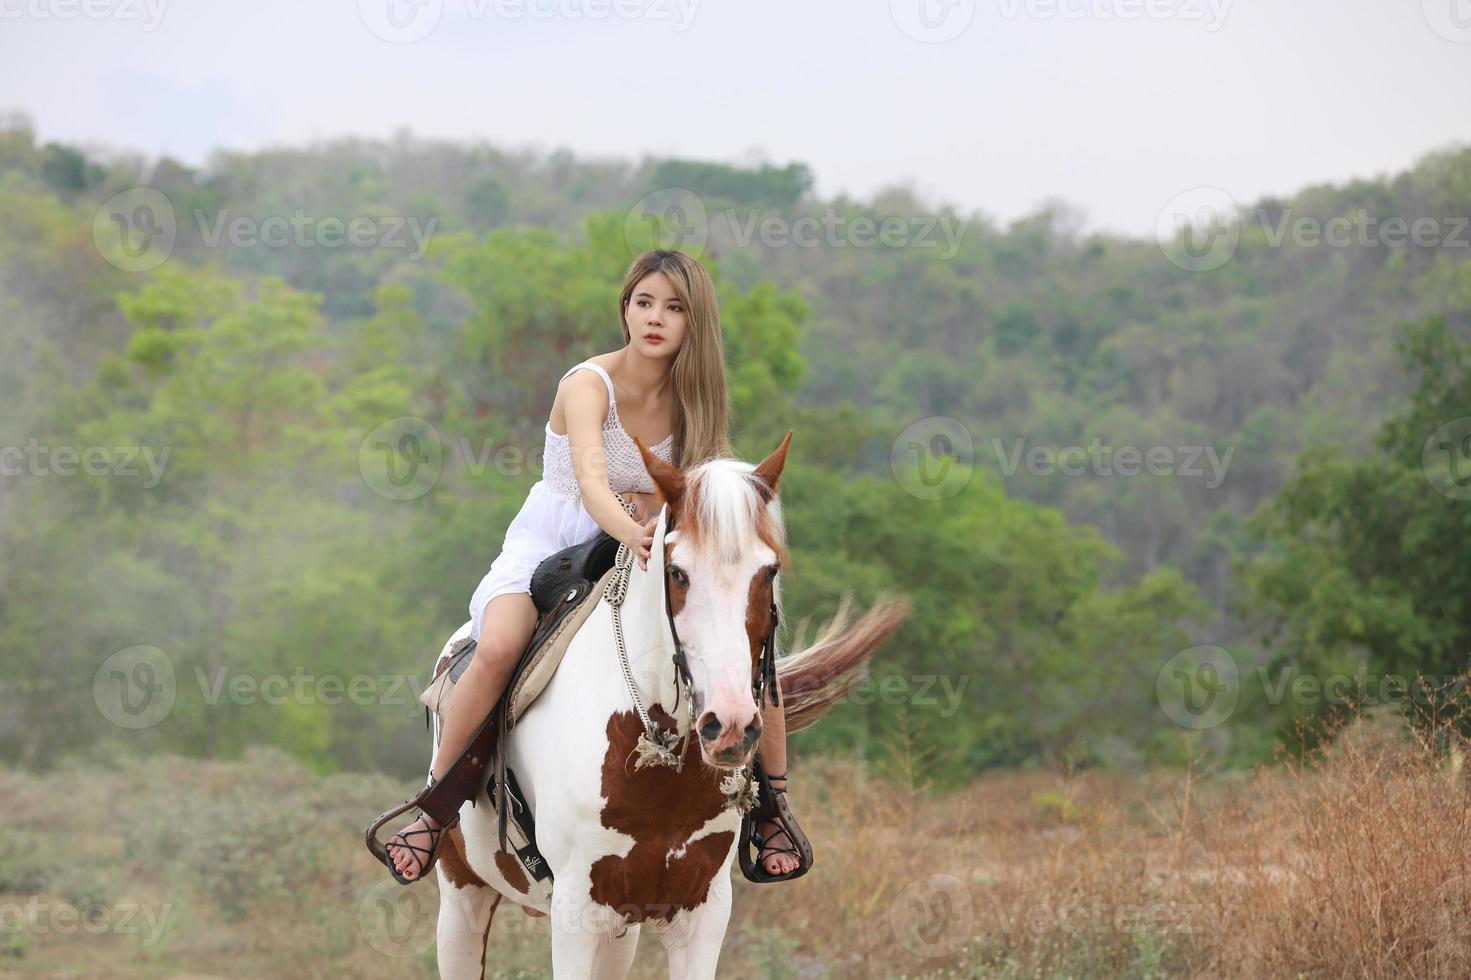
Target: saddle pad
[[539, 667]]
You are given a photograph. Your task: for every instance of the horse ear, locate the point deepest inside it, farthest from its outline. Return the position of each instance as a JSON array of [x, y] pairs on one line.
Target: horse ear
[[669, 480], [770, 469]]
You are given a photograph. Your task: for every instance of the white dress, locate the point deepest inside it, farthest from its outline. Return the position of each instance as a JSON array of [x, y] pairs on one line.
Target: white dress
[[553, 516]]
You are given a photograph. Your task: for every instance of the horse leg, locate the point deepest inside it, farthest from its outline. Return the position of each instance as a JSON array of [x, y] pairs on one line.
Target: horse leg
[[616, 955], [693, 939], [592, 952], [588, 940], [465, 914]]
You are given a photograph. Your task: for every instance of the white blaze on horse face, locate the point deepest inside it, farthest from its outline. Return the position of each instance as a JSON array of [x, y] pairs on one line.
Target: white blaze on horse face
[[717, 646]]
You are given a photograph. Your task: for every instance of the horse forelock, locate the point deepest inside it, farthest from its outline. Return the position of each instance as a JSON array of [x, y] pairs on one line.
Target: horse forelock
[[722, 512]]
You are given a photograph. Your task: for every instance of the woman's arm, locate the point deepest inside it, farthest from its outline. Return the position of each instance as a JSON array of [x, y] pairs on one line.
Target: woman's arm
[[586, 404]]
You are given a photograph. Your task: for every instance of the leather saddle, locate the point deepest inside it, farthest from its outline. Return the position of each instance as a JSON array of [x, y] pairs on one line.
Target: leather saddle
[[559, 586]]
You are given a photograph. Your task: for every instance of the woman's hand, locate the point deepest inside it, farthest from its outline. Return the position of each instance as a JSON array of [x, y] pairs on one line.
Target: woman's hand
[[645, 505], [640, 540]]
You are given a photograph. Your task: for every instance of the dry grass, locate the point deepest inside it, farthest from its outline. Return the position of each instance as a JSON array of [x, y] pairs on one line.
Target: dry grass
[[1350, 863]]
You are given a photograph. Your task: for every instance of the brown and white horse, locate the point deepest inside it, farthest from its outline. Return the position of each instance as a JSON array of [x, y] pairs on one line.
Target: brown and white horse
[[628, 845]]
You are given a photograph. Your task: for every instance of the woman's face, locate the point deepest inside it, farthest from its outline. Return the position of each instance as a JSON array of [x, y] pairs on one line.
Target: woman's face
[[654, 310]]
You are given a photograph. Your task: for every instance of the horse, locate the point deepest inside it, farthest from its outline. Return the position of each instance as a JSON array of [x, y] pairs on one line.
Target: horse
[[629, 844]]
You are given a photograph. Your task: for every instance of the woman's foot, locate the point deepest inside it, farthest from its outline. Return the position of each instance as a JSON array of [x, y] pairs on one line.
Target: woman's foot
[[773, 858], [410, 848]]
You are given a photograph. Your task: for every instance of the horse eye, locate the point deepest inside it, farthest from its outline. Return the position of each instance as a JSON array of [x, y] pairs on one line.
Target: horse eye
[[678, 575], [771, 573]]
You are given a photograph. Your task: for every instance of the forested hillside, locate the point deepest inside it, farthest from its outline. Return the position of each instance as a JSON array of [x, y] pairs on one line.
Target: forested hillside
[[238, 374]]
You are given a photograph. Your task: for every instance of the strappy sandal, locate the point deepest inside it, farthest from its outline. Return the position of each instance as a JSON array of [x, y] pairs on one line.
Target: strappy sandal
[[772, 807], [766, 850], [423, 857]]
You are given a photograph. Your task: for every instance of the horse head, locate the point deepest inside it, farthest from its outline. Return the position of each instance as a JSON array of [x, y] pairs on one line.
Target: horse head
[[723, 546]]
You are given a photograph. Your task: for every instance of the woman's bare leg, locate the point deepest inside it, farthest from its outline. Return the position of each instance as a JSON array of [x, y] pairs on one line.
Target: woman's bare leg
[[773, 751], [506, 626]]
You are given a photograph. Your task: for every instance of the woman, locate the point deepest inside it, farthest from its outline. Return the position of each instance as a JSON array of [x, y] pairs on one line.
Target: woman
[[668, 378]]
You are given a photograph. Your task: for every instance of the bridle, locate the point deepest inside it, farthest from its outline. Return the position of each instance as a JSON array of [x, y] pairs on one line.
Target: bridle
[[655, 747], [765, 672]]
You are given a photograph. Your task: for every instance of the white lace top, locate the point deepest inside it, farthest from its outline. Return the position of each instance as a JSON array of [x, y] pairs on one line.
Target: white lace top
[[626, 471]]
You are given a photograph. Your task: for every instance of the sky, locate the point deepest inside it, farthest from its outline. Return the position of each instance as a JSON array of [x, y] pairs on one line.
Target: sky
[[997, 106]]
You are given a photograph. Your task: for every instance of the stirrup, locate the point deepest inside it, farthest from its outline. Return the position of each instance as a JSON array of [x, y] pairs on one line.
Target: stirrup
[[436, 835], [771, 805]]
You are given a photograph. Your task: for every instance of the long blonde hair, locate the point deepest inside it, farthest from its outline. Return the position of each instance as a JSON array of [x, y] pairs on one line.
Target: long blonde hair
[[702, 399]]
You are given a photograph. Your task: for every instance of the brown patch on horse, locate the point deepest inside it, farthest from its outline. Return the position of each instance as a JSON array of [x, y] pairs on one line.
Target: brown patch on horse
[[512, 871], [758, 614], [660, 809], [452, 860]]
